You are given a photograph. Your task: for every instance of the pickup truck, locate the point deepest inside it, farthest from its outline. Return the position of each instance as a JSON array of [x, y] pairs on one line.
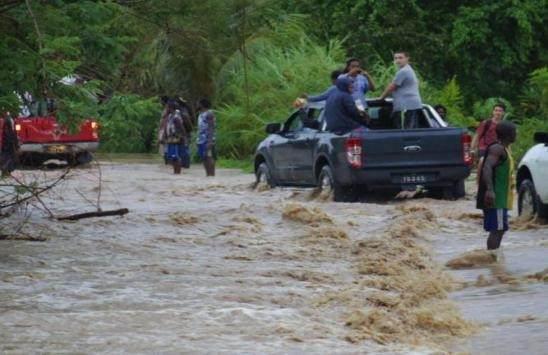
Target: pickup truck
[[300, 152], [43, 138], [532, 180]]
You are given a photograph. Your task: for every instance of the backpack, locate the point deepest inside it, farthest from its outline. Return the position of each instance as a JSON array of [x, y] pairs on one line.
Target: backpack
[[488, 124]]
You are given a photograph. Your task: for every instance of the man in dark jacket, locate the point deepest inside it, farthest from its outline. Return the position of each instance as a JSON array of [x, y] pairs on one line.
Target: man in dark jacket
[[341, 112]]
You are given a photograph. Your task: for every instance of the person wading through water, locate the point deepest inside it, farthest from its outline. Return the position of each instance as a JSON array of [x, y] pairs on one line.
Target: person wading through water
[[496, 187], [206, 136], [162, 146], [175, 136]]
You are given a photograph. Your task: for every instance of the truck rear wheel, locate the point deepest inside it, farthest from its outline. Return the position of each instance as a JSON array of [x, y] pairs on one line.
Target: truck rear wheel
[[328, 185], [31, 160], [452, 192], [458, 190], [79, 159]]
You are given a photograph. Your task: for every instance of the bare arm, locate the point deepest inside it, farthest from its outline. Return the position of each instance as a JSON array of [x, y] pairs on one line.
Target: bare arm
[[372, 85], [389, 89], [475, 140]]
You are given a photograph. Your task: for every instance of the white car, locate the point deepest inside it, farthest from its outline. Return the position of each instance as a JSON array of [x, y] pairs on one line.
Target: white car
[[532, 179]]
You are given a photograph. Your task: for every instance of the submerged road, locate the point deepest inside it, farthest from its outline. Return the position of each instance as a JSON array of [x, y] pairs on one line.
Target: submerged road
[[211, 265]]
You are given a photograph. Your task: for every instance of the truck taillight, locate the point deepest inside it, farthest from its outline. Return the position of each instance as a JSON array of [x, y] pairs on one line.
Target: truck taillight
[[17, 127], [466, 141], [354, 152]]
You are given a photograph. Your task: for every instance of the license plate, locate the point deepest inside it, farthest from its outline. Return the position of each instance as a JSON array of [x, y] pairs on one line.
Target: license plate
[[413, 179], [56, 148]]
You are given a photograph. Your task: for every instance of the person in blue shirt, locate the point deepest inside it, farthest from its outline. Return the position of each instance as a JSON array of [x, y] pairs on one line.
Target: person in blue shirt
[[341, 113], [361, 82], [206, 136]]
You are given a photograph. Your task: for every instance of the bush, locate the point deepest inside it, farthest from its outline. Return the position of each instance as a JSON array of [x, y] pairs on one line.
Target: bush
[[449, 96], [534, 101], [129, 124], [275, 77], [483, 109]]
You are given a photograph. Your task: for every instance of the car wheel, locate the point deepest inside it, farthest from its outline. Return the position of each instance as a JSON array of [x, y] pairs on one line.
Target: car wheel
[[263, 176], [529, 204], [328, 186], [84, 158], [453, 192]]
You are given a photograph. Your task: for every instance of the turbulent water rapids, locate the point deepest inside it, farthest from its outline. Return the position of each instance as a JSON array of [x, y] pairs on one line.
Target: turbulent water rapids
[[211, 265]]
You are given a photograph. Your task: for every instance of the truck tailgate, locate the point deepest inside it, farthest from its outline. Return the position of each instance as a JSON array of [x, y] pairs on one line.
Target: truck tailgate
[[412, 148]]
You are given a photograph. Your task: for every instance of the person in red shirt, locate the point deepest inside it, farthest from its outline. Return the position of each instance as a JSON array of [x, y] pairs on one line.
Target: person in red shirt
[[486, 133]]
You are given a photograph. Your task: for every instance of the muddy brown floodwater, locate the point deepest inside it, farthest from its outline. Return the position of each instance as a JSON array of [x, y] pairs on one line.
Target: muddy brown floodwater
[[211, 266]]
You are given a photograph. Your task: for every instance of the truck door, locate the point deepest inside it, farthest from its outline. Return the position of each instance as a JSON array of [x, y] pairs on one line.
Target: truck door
[[303, 146], [282, 156]]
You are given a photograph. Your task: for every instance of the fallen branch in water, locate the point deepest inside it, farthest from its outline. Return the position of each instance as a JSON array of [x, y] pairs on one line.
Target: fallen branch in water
[[78, 216], [22, 237]]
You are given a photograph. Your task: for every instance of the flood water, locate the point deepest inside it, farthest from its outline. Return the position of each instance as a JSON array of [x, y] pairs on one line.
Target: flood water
[[209, 265]]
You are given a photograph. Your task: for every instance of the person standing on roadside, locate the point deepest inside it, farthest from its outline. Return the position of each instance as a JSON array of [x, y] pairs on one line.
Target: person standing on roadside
[[206, 136], [404, 88], [361, 82], [9, 147], [496, 187], [486, 132], [486, 135]]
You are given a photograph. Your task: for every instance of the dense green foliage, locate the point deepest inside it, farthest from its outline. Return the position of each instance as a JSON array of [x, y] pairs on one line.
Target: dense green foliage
[[254, 56], [275, 78]]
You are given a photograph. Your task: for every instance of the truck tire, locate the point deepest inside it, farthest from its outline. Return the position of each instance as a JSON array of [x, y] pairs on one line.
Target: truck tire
[[84, 158], [528, 201], [340, 193], [459, 190], [262, 175], [79, 159], [452, 192], [32, 160]]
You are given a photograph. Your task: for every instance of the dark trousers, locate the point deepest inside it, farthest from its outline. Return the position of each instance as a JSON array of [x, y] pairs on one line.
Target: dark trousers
[[409, 118]]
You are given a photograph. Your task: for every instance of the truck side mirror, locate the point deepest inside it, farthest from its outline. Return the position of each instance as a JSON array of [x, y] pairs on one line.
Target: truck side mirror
[[272, 128], [541, 137]]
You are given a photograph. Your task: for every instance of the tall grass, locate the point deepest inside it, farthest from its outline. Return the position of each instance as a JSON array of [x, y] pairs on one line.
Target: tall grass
[[276, 75]]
